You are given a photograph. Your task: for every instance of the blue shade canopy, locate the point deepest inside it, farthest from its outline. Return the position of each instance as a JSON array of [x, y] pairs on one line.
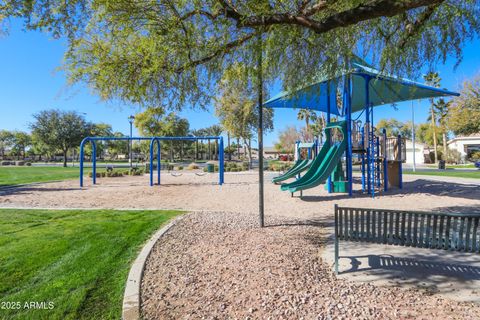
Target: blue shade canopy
[[382, 89]]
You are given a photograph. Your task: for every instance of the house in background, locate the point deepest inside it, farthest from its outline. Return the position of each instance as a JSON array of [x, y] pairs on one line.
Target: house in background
[[421, 152], [465, 145]]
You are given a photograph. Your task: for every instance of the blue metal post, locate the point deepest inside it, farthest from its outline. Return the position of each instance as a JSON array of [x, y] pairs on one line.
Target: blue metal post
[[221, 164], [159, 162], [385, 161], [328, 135], [400, 177], [371, 178], [94, 164], [151, 161], [377, 161], [362, 157], [368, 126], [348, 96], [82, 145]]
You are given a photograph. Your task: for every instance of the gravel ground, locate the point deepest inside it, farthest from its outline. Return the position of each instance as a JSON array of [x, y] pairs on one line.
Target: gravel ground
[[222, 266]]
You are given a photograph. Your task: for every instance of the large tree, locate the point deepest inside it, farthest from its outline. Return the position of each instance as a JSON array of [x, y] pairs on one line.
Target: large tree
[[287, 139], [442, 109], [6, 141], [21, 141], [236, 108], [306, 115], [154, 122], [60, 130], [172, 53], [433, 79], [464, 115]]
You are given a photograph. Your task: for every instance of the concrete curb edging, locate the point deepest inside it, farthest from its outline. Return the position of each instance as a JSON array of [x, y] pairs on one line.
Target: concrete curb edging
[[131, 297]]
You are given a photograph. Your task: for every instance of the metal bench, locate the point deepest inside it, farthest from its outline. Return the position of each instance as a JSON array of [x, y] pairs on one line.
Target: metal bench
[[447, 231]]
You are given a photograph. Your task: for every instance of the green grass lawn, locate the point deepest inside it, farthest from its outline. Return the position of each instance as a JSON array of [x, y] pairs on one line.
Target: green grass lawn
[[446, 173], [19, 175], [76, 259], [454, 166]]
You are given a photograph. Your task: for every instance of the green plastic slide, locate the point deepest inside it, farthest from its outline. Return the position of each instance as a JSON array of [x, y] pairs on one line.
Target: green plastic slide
[[323, 165], [298, 167]]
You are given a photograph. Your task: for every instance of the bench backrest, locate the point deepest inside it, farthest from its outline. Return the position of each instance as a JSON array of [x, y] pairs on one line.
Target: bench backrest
[[449, 231]]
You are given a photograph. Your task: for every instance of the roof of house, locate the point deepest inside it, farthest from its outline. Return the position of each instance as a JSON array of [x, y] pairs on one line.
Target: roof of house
[[473, 136]]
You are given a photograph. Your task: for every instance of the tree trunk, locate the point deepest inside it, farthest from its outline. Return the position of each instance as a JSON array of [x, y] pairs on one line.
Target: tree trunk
[[238, 148], [65, 158], [248, 143], [229, 150], [434, 134], [209, 150], [196, 150], [181, 151], [444, 138]]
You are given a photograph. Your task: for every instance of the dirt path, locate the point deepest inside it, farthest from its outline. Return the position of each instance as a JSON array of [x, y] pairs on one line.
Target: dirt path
[[238, 194]]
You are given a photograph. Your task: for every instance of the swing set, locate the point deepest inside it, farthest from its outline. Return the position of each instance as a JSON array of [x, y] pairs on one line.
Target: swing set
[[153, 141]]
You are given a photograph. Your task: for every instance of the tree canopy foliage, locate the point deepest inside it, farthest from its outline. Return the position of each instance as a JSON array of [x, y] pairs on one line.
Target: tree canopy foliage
[[235, 106], [171, 53], [464, 114], [287, 139], [59, 129]]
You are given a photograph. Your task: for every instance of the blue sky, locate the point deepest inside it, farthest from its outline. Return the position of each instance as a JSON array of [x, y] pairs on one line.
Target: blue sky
[[30, 81]]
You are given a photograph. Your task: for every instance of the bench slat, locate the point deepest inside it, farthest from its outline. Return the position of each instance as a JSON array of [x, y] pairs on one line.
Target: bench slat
[[421, 237], [476, 245], [467, 234], [407, 228]]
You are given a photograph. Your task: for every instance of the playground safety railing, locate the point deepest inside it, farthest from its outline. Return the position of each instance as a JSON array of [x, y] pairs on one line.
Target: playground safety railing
[[392, 151]]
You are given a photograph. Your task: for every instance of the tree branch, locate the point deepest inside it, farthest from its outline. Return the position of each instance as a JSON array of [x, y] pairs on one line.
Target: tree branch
[[362, 12], [417, 25], [220, 51]]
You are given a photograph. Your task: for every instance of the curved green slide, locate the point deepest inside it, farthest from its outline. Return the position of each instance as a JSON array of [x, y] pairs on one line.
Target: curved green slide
[[299, 166], [323, 165]]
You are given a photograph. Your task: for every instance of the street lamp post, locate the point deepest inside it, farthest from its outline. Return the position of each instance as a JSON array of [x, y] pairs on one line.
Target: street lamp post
[[130, 158]]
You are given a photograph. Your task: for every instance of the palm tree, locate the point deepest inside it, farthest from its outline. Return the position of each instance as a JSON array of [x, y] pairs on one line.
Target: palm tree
[[433, 79], [307, 115], [215, 131], [197, 133], [441, 112]]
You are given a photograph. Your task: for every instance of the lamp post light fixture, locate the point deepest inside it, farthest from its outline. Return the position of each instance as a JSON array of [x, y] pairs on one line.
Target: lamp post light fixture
[[130, 158]]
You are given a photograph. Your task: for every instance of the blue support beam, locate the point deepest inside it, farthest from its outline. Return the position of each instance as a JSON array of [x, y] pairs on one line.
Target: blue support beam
[[400, 169], [221, 169], [348, 113], [328, 136], [385, 161]]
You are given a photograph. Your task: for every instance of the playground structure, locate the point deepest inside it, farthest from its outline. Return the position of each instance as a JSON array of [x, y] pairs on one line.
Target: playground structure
[[300, 164], [153, 141], [359, 88]]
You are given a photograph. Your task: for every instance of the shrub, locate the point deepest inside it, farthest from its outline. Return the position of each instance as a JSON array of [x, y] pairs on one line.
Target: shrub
[[179, 168], [453, 156], [28, 164], [192, 166], [475, 156], [216, 168], [205, 169]]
